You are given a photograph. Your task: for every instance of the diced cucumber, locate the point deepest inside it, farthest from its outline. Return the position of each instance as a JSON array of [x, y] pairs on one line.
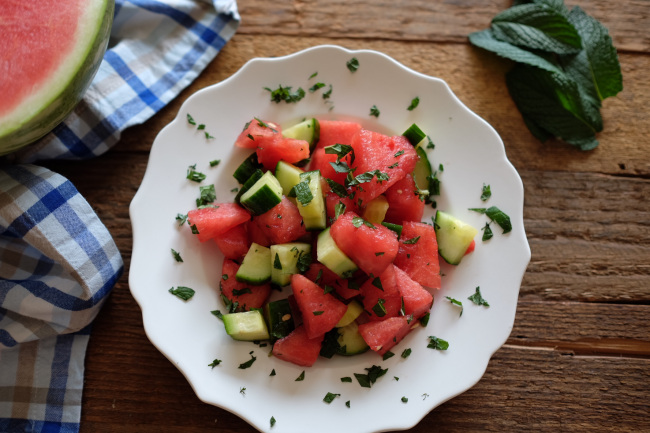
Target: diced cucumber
[[246, 326], [394, 227], [422, 173], [414, 134], [376, 209], [257, 175], [288, 175], [313, 211], [256, 266], [279, 318], [308, 130], [329, 254], [285, 261], [350, 341], [453, 236], [354, 310], [263, 195], [247, 168]]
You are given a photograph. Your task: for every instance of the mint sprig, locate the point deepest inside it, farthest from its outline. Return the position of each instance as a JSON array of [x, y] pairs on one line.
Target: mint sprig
[[566, 65]]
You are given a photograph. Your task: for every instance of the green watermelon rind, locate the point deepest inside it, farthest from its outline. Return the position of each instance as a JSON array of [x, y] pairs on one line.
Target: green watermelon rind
[[57, 106]]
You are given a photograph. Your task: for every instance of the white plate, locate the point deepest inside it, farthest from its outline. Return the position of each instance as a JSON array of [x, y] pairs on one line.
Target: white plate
[[191, 337]]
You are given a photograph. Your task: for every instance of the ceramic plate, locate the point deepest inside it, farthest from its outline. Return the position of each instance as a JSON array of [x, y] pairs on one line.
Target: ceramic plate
[[471, 153]]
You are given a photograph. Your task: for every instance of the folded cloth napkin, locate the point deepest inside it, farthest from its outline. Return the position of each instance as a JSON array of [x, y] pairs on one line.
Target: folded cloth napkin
[[58, 262]]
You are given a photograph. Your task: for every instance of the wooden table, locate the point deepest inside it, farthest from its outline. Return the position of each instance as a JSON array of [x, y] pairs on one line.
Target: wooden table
[[578, 358]]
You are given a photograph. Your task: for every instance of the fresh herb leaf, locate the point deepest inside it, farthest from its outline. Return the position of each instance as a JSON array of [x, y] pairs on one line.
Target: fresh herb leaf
[[377, 283], [456, 302], [374, 111], [284, 93], [424, 320], [316, 86], [406, 353], [272, 372], [301, 377], [313, 75], [215, 162], [379, 253], [249, 363], [208, 136], [329, 397], [347, 379], [352, 64], [487, 233], [193, 175], [388, 355], [195, 231], [190, 119], [328, 93], [242, 390], [276, 262], [214, 363], [414, 103], [486, 193], [379, 309], [437, 343], [177, 256], [405, 400], [368, 176], [182, 292], [303, 193], [477, 298], [181, 219], [201, 127], [411, 241], [272, 421], [373, 373], [207, 195], [337, 188], [341, 167], [496, 215], [239, 292], [317, 313], [217, 314], [341, 151]]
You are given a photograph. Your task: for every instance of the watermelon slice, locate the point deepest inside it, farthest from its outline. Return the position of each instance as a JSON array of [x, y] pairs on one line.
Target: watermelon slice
[[50, 51]]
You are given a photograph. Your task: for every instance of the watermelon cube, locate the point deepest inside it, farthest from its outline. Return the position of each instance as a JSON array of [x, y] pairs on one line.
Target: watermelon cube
[[320, 311], [234, 243], [290, 150], [383, 335], [372, 249], [417, 300], [256, 133], [298, 348], [404, 203], [215, 220], [418, 254], [329, 278], [337, 132], [246, 295], [282, 223], [381, 297]]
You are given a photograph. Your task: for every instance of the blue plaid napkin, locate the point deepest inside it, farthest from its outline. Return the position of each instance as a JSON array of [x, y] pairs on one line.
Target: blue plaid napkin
[[58, 262]]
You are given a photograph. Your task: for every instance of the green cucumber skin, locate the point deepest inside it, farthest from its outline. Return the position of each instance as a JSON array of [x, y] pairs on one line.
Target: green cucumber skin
[[330, 255], [314, 214], [288, 260], [453, 236], [263, 197], [308, 130], [234, 322], [256, 266], [53, 113], [350, 341]]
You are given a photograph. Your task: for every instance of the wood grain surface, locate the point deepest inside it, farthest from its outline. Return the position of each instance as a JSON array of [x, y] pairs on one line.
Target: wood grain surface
[[578, 357]]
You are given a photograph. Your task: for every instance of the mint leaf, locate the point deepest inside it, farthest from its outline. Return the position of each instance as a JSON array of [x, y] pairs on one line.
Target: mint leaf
[[538, 27]]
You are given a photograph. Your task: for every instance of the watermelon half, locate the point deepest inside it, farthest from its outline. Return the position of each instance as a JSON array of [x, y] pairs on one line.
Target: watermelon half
[[50, 51]]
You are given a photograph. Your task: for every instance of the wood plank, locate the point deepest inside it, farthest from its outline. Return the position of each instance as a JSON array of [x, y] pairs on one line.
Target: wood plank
[[422, 20], [477, 78]]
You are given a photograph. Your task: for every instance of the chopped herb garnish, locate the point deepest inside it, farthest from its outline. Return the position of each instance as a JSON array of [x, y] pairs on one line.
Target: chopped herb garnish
[[388, 355], [346, 379], [337, 188], [477, 298], [272, 421], [374, 111], [272, 372], [193, 175], [487, 233], [234, 190], [242, 390], [285, 94], [430, 144], [239, 292], [302, 192], [379, 308], [341, 151], [457, 303], [374, 373], [214, 363], [379, 253], [276, 262], [195, 231], [217, 314], [347, 403], [328, 93], [414, 103], [304, 261], [301, 377], [207, 195], [406, 353], [329, 397], [437, 343], [405, 400], [181, 218], [177, 256], [368, 176], [358, 222], [208, 136], [496, 215], [377, 283], [316, 86], [400, 152], [214, 162], [201, 127], [352, 64], [317, 313], [247, 364], [412, 240], [182, 292], [313, 75], [328, 289], [190, 119], [486, 193]]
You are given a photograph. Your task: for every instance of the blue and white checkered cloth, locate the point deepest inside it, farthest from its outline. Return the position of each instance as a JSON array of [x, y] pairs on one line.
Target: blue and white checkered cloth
[[58, 262]]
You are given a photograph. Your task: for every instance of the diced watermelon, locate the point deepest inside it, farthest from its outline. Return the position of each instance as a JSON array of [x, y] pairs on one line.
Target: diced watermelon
[[320, 311], [215, 220], [417, 300], [256, 133], [329, 278], [418, 254], [383, 287], [234, 243], [372, 249], [404, 204], [256, 234], [282, 223], [394, 156], [321, 161], [298, 348], [290, 150], [331, 200], [249, 296], [337, 132], [383, 335], [471, 247]]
